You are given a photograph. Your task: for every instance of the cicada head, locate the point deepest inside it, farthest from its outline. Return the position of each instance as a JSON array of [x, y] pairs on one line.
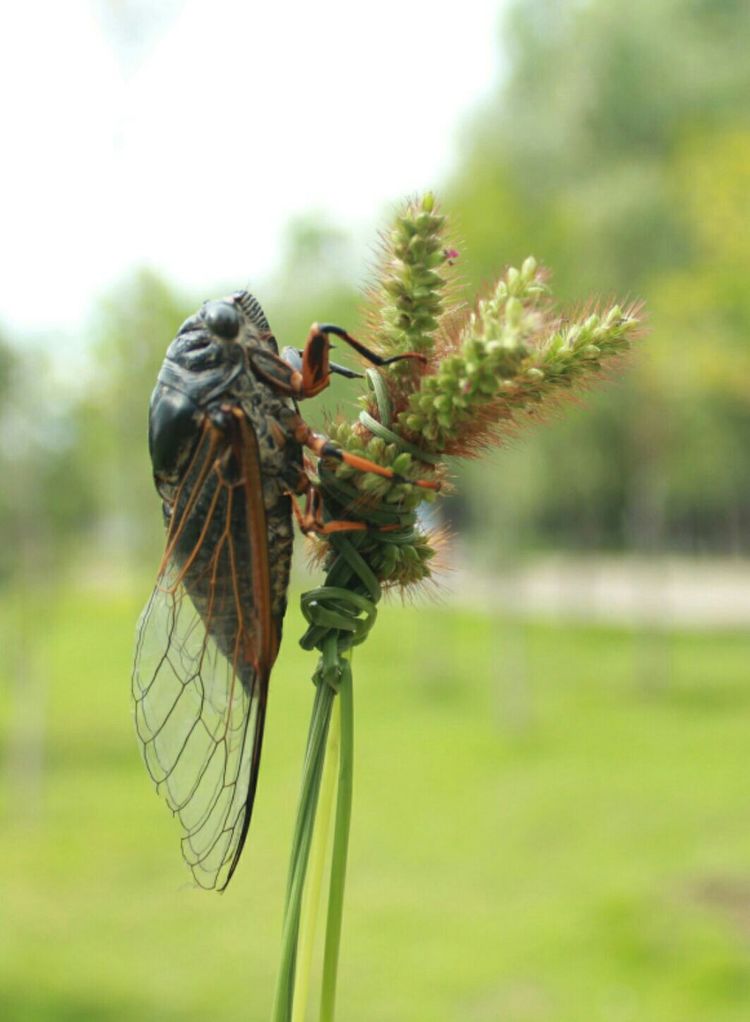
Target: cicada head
[[204, 366], [223, 326]]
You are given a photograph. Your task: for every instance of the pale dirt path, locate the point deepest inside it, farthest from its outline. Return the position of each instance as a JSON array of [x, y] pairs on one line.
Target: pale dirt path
[[663, 592]]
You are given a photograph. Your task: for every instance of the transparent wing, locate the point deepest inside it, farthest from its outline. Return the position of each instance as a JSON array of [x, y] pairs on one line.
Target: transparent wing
[[197, 725], [200, 675]]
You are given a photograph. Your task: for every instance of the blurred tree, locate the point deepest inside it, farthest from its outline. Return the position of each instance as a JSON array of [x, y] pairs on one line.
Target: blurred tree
[[314, 284], [45, 506], [704, 309], [46, 501], [313, 281], [615, 151], [133, 325], [579, 142], [6, 368]]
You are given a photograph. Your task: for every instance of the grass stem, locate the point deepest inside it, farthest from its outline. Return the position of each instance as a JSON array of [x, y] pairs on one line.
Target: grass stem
[[340, 843], [311, 778], [316, 867]]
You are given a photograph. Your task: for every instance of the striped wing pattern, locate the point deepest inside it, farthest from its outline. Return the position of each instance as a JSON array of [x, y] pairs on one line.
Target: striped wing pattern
[[204, 649]]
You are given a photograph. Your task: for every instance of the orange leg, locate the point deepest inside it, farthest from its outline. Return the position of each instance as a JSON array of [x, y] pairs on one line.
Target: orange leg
[[311, 519], [313, 367], [324, 448]]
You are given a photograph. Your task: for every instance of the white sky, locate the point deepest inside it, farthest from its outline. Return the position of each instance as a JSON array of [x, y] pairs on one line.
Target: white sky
[[189, 147]]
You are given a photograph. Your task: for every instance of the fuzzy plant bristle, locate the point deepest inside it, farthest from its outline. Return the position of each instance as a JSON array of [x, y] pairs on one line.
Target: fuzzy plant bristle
[[511, 356], [479, 371], [407, 301]]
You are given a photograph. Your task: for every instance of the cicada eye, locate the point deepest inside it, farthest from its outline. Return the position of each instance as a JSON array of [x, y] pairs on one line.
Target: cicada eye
[[222, 319]]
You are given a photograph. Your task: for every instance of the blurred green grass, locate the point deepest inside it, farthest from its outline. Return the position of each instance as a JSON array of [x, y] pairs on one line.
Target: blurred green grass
[[538, 835]]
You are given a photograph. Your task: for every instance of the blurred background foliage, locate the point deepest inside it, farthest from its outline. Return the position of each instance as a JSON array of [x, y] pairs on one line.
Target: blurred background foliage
[[616, 149]]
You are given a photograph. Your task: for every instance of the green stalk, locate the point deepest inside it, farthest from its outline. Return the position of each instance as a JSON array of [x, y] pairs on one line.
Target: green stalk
[[313, 769], [311, 897], [340, 843], [330, 743]]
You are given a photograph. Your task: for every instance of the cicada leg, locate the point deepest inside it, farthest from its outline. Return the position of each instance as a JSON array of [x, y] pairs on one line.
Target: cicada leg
[[316, 365], [305, 373], [325, 448], [311, 518]]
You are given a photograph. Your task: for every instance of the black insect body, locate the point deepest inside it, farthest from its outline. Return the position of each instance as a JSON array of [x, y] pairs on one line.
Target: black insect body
[[226, 442]]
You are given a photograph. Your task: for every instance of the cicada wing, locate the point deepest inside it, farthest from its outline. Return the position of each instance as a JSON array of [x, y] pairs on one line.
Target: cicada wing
[[200, 729], [206, 643]]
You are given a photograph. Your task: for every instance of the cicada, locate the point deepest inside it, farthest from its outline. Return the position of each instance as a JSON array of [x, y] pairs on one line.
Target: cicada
[[227, 442]]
